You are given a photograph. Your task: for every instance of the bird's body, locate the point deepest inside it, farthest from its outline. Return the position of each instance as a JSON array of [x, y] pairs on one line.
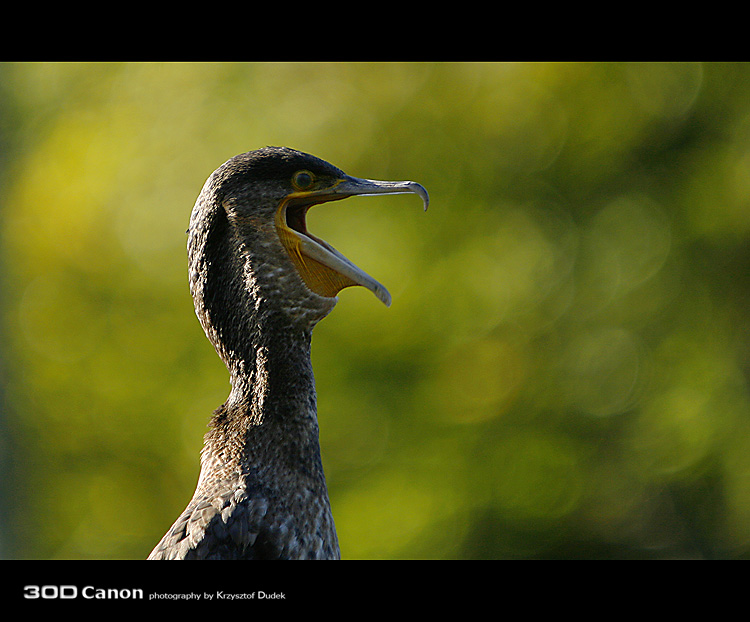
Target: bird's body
[[261, 492], [260, 282]]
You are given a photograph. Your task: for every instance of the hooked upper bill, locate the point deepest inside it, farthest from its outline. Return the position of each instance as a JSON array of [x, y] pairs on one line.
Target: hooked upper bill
[[324, 269]]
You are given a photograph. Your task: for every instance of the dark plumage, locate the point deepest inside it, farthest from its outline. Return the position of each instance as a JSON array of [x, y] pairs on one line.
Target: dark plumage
[[260, 282]]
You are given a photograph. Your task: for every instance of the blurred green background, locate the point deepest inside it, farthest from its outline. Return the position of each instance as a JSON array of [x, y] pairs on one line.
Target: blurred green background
[[564, 371]]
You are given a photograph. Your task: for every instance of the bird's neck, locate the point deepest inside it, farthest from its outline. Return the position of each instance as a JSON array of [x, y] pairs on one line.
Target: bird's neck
[[270, 417]]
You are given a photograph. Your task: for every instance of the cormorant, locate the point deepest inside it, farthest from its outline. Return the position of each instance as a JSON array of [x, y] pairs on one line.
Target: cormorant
[[260, 282]]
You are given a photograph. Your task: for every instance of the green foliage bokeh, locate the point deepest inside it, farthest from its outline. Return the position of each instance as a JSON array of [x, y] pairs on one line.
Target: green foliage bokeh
[[564, 371]]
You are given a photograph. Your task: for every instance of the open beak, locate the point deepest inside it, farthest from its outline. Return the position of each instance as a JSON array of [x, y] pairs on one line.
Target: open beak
[[325, 270]]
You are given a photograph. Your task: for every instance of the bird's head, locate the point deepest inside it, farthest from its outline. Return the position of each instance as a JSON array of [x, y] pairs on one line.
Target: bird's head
[[266, 194]]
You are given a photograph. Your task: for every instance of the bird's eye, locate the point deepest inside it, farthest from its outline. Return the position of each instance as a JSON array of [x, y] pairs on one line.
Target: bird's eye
[[302, 180]]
